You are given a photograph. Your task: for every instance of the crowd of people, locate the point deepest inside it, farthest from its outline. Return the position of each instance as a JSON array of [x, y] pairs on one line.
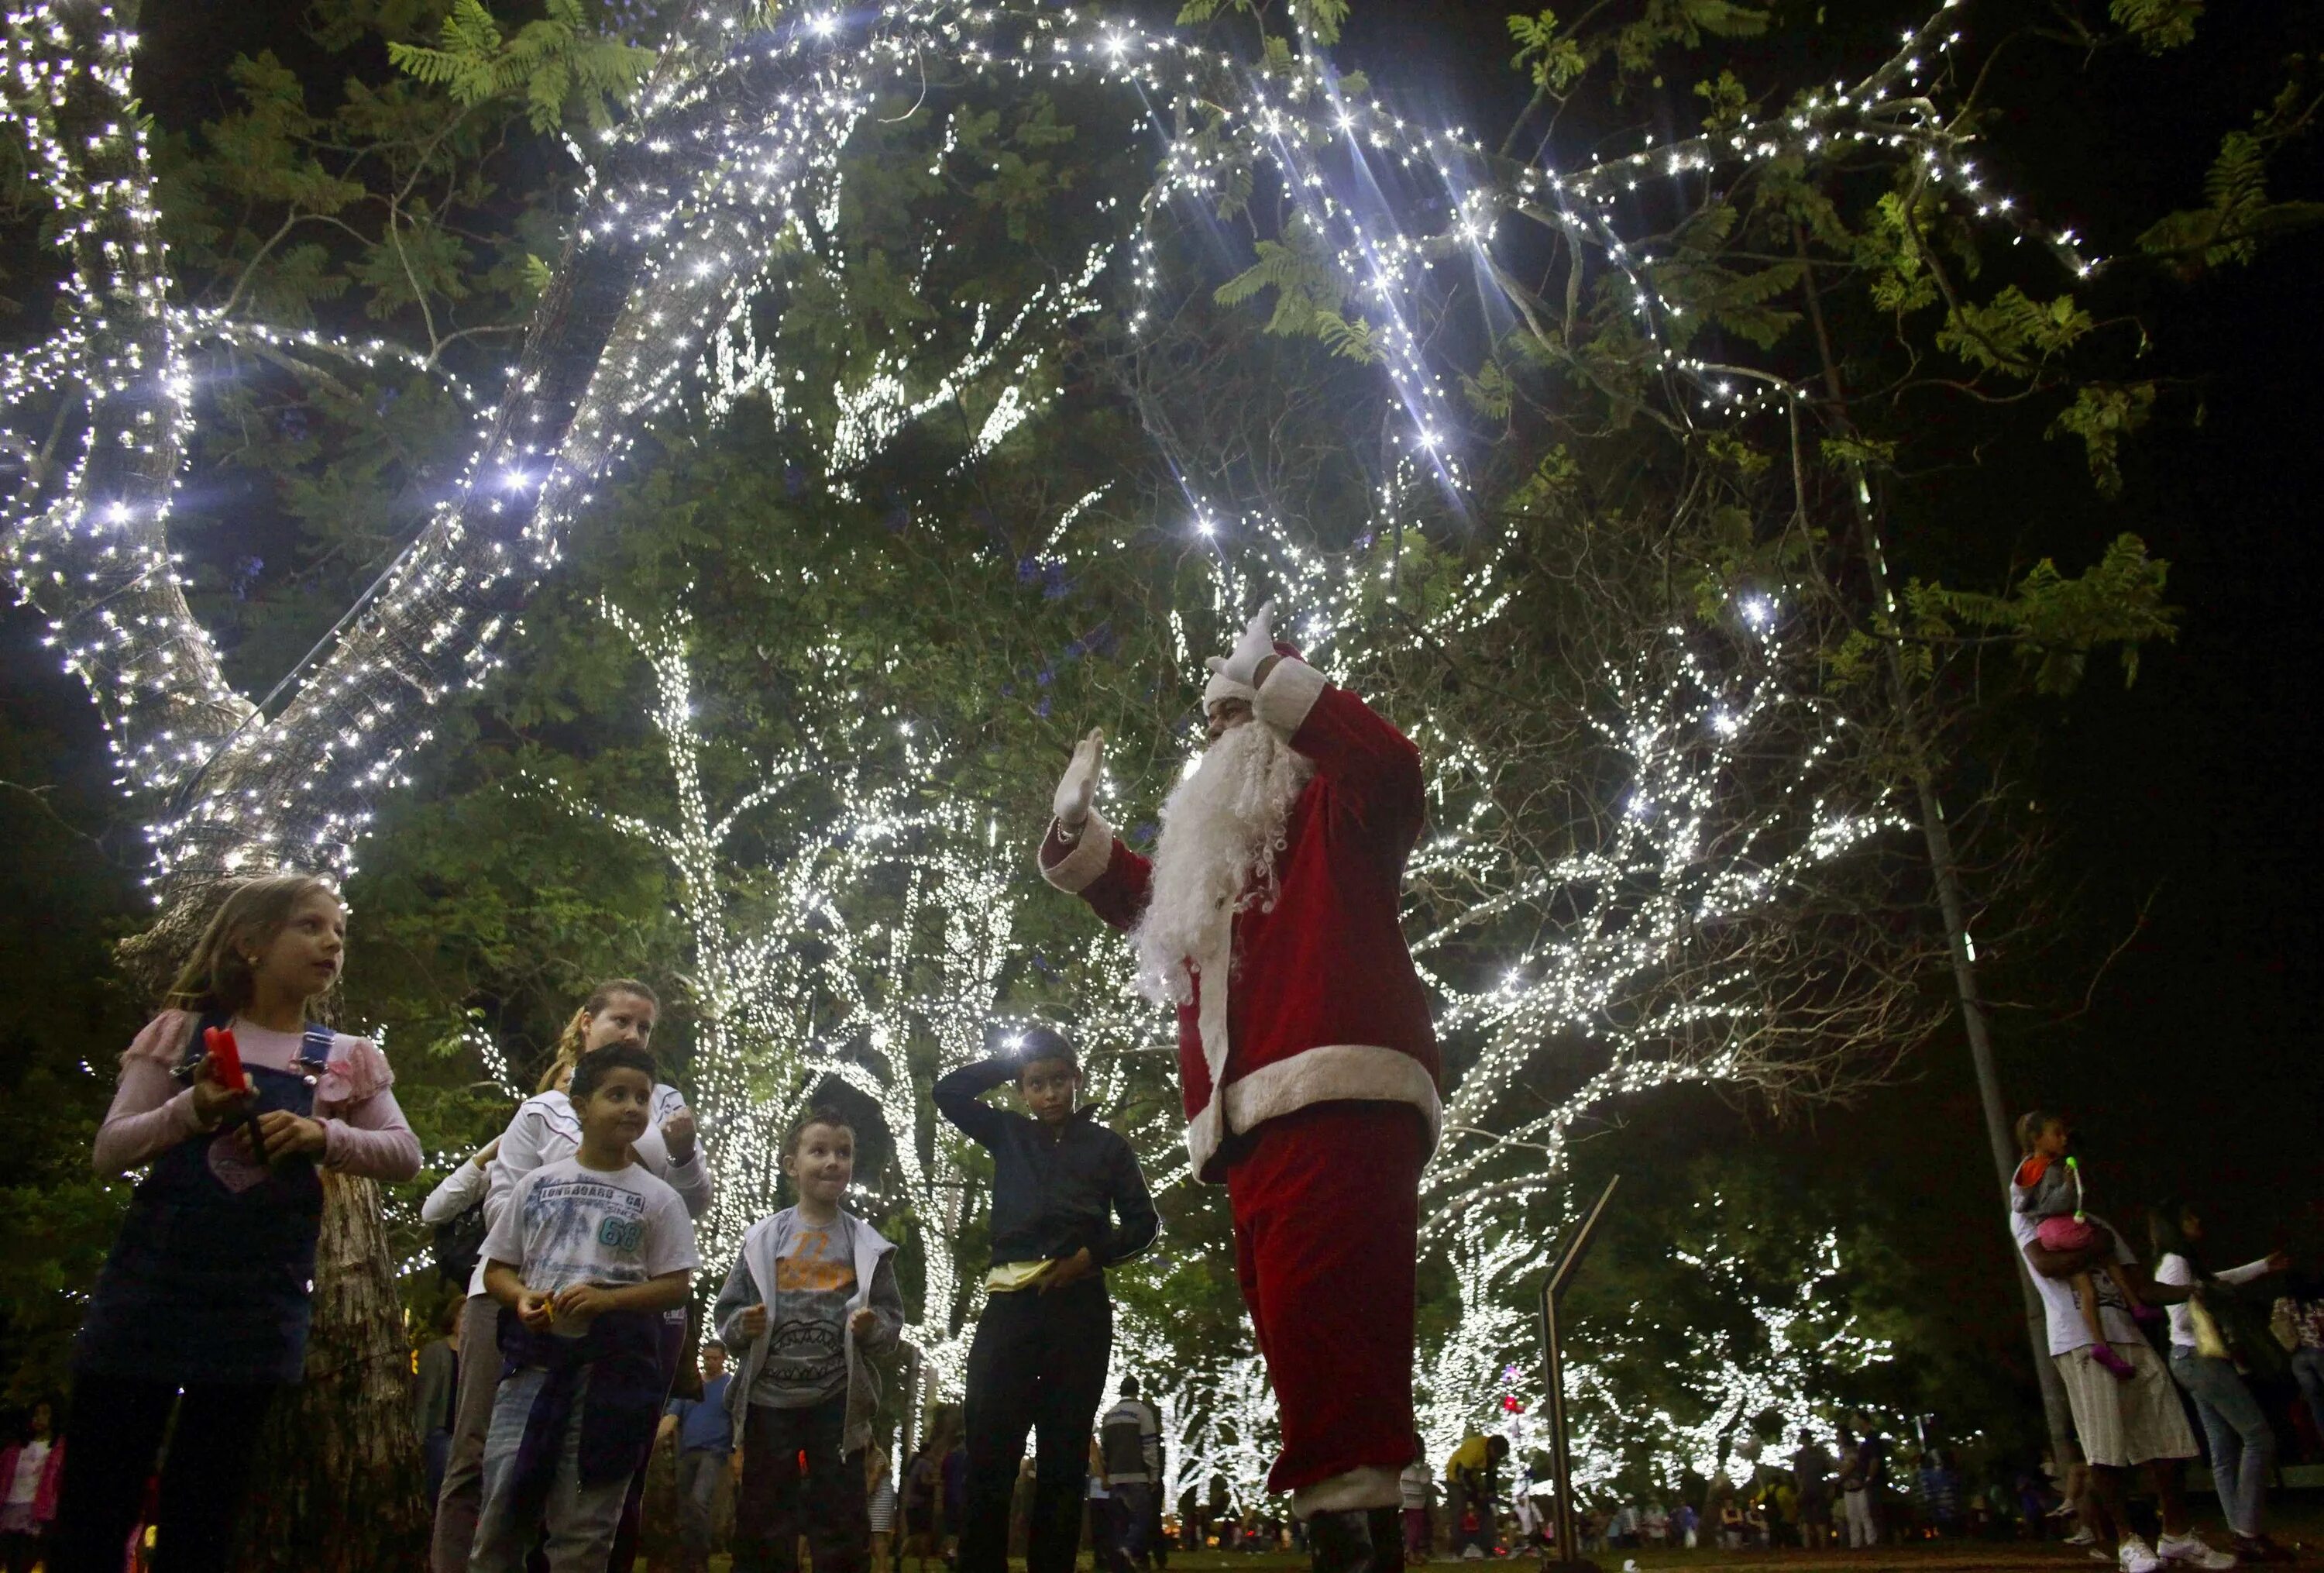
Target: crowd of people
[[1267, 915]]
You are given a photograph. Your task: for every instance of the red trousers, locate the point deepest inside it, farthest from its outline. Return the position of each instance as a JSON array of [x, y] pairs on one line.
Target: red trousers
[[1327, 1222]]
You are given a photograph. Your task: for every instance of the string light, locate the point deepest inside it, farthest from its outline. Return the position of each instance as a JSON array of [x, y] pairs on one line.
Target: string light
[[731, 151], [730, 162]]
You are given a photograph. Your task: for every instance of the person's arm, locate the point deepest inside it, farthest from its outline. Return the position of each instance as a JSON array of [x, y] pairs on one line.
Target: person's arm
[[657, 1293], [1097, 866], [520, 1155], [2253, 1272], [959, 1098], [149, 1111], [532, 1307], [456, 1193], [371, 1140], [150, 1114], [886, 1305], [691, 1180], [739, 1295], [1133, 1205], [2135, 1276], [1372, 767]]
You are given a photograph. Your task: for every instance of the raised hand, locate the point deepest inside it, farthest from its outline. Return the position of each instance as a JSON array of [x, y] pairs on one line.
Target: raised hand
[[678, 1133], [1078, 788], [1256, 643]]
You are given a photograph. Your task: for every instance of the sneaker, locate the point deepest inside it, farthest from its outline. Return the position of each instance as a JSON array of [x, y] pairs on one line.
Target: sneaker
[[2189, 1551], [2081, 1538], [2135, 1556]]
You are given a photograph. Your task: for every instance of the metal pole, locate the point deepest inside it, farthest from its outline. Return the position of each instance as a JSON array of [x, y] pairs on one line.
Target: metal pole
[[1561, 1455]]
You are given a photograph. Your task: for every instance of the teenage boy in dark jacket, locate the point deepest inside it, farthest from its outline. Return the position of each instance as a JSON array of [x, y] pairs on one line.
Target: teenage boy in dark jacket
[[1068, 1202]]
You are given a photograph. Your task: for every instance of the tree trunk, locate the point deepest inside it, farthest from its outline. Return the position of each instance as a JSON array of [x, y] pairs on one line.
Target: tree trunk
[[338, 1483], [1952, 904]]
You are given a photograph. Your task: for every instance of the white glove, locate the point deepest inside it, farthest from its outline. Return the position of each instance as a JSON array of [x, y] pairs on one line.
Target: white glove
[[1256, 643], [1077, 789]]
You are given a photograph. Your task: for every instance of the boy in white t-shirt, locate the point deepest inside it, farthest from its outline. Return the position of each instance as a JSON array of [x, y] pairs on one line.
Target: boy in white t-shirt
[[586, 1255]]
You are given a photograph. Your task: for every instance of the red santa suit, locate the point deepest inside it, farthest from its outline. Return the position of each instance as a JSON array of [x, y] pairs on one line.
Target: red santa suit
[[1309, 1068]]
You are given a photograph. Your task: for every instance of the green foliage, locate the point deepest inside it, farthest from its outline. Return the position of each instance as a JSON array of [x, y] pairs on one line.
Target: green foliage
[[2013, 332], [1308, 295], [2054, 621], [2158, 25], [2102, 414], [2237, 216], [1555, 60], [549, 62], [1320, 20]]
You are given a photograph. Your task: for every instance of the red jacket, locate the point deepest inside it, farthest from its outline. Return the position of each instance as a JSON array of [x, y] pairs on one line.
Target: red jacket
[[44, 1496], [1323, 1003]]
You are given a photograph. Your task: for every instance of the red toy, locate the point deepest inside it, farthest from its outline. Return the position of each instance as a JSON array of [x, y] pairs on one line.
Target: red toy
[[218, 1042]]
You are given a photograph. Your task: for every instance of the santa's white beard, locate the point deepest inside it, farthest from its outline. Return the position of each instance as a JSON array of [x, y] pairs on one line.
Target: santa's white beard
[[1222, 828]]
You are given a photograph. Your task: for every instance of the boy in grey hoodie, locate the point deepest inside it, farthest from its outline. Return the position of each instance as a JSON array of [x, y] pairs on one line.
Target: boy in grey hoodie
[[812, 1295]]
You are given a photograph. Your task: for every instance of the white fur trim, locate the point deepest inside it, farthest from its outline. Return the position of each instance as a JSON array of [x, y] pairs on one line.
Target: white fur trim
[[1332, 1073], [1222, 686], [1328, 1073], [1289, 692], [1212, 973], [1203, 1134], [1358, 1490], [1078, 869]]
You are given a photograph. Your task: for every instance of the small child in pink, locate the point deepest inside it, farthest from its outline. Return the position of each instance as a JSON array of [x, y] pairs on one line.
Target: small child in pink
[[2048, 1186]]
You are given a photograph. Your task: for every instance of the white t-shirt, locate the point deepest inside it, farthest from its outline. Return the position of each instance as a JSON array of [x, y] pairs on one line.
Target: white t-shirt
[[29, 1465], [566, 1225], [2177, 1269], [2067, 1331]]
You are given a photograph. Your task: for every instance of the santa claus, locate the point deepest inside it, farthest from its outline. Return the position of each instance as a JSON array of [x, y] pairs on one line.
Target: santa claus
[[1267, 915]]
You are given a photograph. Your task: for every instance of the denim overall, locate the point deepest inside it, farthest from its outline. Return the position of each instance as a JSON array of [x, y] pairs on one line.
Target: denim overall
[[211, 1278]]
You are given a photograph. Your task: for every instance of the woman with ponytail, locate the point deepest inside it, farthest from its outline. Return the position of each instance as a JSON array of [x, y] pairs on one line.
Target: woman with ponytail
[[619, 1011]]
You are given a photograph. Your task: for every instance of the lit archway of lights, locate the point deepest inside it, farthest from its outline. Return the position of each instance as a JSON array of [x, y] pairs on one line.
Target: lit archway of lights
[[734, 139]]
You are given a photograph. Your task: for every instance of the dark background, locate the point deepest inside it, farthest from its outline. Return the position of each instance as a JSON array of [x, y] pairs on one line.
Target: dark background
[[2181, 798]]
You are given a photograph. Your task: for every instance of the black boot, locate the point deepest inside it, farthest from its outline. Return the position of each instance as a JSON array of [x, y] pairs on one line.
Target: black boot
[[1340, 1543], [1387, 1527]]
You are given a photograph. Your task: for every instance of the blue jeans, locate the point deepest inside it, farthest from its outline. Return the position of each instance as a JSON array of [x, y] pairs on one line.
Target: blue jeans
[[580, 1519], [2243, 1448], [698, 1496], [2307, 1369]]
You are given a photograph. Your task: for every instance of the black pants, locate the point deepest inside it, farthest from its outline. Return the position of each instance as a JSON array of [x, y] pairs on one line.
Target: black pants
[[111, 1444], [771, 1511], [1038, 1364]]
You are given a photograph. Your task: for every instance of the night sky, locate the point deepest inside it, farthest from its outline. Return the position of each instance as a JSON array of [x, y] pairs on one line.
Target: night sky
[[2191, 1070]]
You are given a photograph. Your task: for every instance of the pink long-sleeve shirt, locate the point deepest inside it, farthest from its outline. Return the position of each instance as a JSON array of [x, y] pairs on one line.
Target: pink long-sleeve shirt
[[364, 1133]]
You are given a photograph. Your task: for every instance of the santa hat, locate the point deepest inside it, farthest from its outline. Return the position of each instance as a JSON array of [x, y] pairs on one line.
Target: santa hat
[[1222, 686]]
